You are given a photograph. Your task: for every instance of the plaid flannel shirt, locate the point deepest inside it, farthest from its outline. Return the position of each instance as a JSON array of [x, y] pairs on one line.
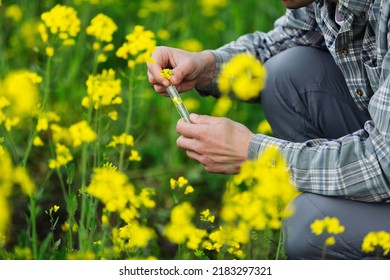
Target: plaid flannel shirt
[[356, 166]]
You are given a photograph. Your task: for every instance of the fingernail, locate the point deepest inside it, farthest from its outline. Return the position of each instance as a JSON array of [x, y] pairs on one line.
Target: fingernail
[[194, 116]]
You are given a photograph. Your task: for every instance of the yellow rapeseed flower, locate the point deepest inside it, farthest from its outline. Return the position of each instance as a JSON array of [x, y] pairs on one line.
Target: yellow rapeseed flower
[[329, 225], [135, 236], [375, 241], [102, 28], [103, 90], [18, 96], [61, 21], [134, 156], [264, 127], [166, 73], [243, 75], [63, 156], [254, 200], [139, 46], [80, 133], [123, 139], [181, 230]]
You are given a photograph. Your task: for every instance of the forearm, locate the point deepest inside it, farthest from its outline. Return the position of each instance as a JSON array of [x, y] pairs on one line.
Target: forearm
[[347, 167]]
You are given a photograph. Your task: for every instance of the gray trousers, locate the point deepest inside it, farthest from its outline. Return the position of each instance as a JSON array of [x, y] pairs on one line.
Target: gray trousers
[[306, 97]]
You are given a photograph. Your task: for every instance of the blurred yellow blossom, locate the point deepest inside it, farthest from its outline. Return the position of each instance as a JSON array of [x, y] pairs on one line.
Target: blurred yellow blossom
[[254, 200], [330, 225], [210, 8], [63, 156], [10, 176], [222, 106], [45, 118], [134, 156], [14, 12], [181, 230], [123, 139], [80, 133], [191, 45], [264, 127], [377, 242], [155, 7], [114, 190], [134, 235], [102, 28], [18, 96], [192, 104], [243, 75], [139, 46]]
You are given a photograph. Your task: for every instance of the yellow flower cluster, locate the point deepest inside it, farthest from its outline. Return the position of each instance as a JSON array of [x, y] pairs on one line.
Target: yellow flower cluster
[[80, 133], [62, 21], [73, 136], [10, 176], [52, 210], [166, 73], [18, 97], [243, 75], [103, 90], [114, 190], [132, 236], [181, 230], [102, 28], [126, 140], [63, 156], [118, 195], [330, 226], [206, 216], [379, 240], [180, 183], [139, 46], [255, 199]]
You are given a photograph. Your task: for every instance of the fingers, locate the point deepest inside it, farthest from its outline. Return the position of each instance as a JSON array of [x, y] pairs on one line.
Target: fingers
[[189, 130], [204, 119]]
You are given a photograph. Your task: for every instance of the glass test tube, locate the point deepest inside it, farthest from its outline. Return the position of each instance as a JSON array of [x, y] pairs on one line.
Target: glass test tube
[[176, 99]]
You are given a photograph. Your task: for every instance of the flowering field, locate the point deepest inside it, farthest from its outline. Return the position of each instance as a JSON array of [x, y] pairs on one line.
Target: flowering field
[[89, 165]]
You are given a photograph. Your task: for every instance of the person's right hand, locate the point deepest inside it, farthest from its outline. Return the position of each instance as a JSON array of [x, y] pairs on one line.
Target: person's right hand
[[190, 69]]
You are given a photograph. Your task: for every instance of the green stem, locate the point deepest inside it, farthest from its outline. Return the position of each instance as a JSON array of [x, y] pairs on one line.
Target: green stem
[[278, 249], [130, 97], [34, 235]]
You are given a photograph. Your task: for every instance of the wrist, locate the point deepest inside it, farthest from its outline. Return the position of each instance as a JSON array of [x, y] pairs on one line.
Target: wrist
[[208, 62]]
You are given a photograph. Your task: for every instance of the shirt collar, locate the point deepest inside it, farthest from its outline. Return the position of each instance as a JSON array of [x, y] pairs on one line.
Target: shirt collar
[[353, 6]]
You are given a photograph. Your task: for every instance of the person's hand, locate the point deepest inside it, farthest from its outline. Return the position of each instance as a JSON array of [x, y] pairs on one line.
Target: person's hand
[[219, 144], [189, 69]]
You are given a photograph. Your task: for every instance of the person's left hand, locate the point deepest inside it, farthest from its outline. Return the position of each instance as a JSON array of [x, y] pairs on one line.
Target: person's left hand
[[219, 144]]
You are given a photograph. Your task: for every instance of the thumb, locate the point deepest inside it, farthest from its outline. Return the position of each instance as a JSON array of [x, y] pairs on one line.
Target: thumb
[[204, 119]]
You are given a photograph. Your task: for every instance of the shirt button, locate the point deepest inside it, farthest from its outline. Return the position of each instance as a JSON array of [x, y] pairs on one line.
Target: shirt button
[[359, 92], [345, 51]]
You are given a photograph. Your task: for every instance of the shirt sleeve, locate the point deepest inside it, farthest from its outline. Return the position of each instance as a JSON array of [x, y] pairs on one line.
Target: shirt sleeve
[[296, 27]]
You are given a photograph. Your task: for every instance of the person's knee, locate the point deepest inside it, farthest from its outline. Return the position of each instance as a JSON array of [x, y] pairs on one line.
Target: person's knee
[[299, 241]]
